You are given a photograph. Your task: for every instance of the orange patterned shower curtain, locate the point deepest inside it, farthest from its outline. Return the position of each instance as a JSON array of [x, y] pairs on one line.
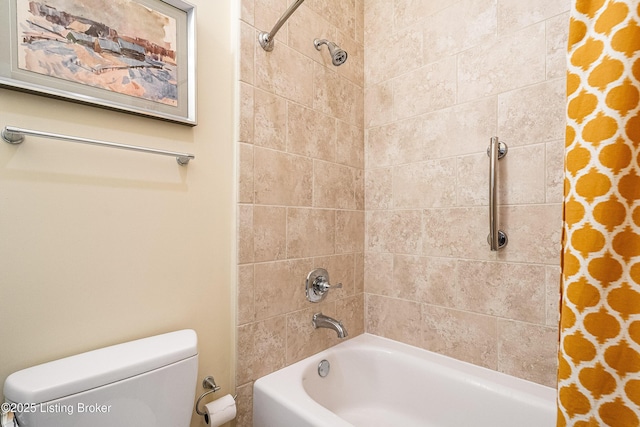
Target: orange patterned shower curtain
[[599, 355]]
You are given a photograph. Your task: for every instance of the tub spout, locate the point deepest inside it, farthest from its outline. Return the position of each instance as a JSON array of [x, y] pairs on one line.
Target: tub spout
[[322, 321]]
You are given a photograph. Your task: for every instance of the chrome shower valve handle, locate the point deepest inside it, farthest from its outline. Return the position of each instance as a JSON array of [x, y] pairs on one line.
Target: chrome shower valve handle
[[317, 285]]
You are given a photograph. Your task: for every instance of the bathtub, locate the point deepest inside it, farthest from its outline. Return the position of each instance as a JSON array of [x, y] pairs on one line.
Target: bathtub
[[375, 382]]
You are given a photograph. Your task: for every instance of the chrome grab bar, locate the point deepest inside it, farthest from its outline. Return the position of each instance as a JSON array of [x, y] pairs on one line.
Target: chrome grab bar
[[14, 135], [497, 239]]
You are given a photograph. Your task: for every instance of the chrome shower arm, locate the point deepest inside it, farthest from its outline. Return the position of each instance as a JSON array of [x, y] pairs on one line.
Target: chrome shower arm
[[266, 39]]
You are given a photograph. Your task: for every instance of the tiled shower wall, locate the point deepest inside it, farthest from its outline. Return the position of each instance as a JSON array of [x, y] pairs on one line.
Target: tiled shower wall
[[301, 184], [441, 78]]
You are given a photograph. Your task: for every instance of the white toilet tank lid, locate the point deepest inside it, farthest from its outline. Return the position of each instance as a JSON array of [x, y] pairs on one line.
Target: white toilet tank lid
[[75, 374]]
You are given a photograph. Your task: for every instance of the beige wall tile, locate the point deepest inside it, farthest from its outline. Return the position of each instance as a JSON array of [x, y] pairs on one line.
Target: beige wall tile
[[461, 335], [282, 179], [349, 231], [269, 233], [553, 273], [303, 339], [360, 21], [304, 26], [408, 12], [425, 279], [340, 13], [350, 311], [434, 94], [475, 24], [378, 273], [378, 104], [267, 13], [555, 171], [337, 96], [261, 349], [534, 233], [376, 20], [395, 143], [557, 29], [270, 120], [513, 291], [247, 11], [280, 287], [350, 145], [394, 231], [341, 270], [425, 185], [245, 131], [473, 179], [310, 133], [393, 55], [378, 188], [353, 69], [426, 89], [248, 41], [359, 273], [392, 318], [285, 72], [528, 351], [514, 15], [310, 232], [284, 126], [461, 129], [245, 294], [513, 61], [457, 232], [245, 234], [532, 115], [244, 405], [520, 177], [359, 188], [333, 186], [245, 173]]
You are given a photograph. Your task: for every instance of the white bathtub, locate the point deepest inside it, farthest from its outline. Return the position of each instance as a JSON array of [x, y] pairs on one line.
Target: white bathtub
[[375, 382]]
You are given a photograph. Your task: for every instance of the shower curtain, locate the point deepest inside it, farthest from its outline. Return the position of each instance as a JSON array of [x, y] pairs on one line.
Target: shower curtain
[[599, 353]]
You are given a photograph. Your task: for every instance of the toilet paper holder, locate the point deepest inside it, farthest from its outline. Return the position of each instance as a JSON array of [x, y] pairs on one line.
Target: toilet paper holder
[[208, 383]]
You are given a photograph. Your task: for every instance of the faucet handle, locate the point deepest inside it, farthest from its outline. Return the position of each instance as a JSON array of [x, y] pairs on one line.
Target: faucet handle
[[317, 285], [322, 284]]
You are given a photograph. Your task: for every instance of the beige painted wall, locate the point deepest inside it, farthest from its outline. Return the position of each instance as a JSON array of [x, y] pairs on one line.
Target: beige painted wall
[[103, 246]]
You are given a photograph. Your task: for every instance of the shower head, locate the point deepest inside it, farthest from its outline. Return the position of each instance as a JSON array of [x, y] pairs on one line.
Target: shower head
[[338, 56]]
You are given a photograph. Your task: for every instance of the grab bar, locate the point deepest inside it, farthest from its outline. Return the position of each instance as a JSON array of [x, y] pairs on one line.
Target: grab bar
[[266, 39], [497, 239], [14, 135]]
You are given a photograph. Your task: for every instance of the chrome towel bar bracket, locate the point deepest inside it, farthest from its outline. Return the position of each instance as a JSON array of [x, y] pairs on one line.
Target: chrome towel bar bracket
[[497, 238], [14, 135]]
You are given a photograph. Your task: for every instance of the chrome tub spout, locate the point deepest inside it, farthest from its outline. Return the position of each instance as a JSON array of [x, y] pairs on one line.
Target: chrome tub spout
[[322, 321]]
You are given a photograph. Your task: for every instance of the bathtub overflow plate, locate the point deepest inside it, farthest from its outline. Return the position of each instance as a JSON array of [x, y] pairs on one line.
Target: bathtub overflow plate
[[323, 368]]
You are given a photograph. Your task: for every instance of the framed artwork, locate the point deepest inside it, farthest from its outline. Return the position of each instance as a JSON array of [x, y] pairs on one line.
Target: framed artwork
[[136, 56]]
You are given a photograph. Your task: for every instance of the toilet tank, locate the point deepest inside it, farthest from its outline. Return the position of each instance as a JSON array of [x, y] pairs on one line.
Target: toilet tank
[[149, 382]]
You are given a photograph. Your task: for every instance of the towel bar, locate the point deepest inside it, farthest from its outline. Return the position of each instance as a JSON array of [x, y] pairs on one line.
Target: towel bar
[[14, 135]]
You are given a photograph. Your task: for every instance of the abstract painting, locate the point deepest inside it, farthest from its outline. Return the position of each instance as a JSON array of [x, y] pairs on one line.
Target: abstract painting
[[138, 50]]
